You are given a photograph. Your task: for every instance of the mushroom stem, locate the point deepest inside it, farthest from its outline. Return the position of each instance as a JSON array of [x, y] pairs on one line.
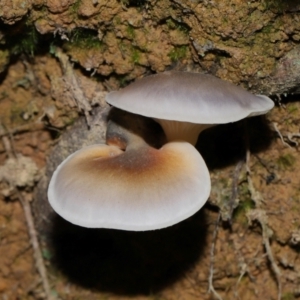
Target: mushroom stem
[[117, 135], [175, 130]]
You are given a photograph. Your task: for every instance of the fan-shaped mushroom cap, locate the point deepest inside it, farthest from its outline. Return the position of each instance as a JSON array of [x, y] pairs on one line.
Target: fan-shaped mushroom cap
[[188, 98], [139, 189]]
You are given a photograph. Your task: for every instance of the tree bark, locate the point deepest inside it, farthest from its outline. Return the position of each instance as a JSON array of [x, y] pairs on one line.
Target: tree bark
[[253, 43]]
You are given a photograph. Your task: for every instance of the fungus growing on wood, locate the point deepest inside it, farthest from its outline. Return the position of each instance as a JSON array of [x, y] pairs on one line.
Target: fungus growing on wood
[[141, 188], [127, 184], [185, 104]]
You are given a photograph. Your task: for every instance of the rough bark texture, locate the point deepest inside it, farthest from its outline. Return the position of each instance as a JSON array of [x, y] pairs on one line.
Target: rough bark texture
[[246, 42], [58, 58]]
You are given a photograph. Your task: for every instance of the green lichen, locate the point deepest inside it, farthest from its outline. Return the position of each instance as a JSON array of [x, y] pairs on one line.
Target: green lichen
[[123, 80], [135, 56], [286, 161], [117, 20], [170, 23], [178, 53], [25, 42], [123, 47], [4, 59], [267, 29], [176, 25], [288, 296], [73, 9], [239, 213], [16, 114], [130, 31], [47, 254], [245, 203], [292, 108], [84, 39]]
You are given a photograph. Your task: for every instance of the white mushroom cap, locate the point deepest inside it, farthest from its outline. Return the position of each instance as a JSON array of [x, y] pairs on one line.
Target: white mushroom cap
[[101, 186], [188, 98]]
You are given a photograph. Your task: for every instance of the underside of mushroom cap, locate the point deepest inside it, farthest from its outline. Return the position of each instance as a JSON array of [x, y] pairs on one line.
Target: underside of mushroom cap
[[101, 186], [189, 97]]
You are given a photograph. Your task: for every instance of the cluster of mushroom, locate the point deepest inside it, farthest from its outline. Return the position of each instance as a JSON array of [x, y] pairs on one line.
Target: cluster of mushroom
[[127, 184]]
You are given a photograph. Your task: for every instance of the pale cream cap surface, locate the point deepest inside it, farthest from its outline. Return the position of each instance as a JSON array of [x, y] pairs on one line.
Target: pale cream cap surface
[[189, 97], [101, 186]]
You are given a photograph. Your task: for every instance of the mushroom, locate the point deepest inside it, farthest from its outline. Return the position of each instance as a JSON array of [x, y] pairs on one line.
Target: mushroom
[[141, 188], [185, 104]]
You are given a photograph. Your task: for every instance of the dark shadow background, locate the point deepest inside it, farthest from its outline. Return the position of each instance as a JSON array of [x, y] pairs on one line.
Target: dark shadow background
[[226, 144], [126, 262], [130, 263]]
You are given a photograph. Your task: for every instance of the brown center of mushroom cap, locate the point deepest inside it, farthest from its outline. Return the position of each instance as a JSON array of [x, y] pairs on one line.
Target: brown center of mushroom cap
[[132, 167], [102, 186]]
